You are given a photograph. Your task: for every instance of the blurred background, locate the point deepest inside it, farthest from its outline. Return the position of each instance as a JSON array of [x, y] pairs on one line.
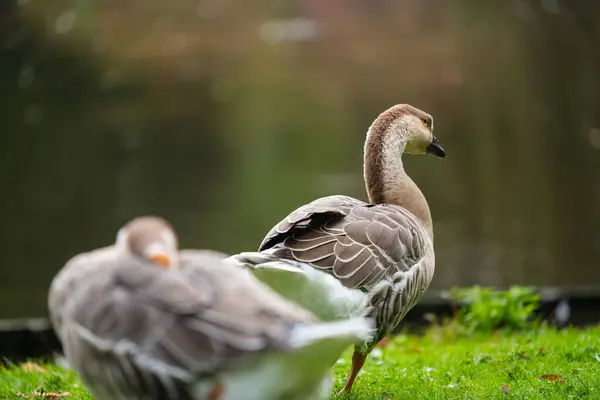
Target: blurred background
[[223, 116]]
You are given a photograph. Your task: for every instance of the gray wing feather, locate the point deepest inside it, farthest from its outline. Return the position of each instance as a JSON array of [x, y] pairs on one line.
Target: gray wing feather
[[164, 328], [357, 242]]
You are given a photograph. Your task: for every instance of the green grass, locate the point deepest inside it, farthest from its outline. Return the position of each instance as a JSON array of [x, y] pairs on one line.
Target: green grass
[[434, 366], [16, 380]]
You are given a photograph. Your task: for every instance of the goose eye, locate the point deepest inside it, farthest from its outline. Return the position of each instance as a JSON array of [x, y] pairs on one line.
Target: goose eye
[[425, 121]]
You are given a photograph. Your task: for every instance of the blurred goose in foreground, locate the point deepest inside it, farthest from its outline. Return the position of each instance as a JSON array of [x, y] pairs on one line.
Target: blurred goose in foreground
[[340, 257], [198, 328]]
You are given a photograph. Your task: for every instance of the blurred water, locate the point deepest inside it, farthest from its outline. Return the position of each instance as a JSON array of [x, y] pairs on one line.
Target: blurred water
[[225, 116]]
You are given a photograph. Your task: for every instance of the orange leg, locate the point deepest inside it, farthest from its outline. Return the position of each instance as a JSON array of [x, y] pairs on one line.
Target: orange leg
[[358, 361], [383, 342], [216, 393]]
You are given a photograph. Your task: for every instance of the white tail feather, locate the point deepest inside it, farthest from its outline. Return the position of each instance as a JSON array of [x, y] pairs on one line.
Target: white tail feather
[[351, 330], [316, 290]]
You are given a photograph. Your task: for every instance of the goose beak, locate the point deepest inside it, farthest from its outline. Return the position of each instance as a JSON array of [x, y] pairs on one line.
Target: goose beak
[[161, 259], [436, 148]]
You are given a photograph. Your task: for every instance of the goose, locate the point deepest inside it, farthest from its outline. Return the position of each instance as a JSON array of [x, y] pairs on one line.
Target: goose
[[138, 320], [339, 256]]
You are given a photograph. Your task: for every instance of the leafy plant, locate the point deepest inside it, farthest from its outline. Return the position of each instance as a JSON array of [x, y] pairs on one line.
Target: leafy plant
[[484, 309]]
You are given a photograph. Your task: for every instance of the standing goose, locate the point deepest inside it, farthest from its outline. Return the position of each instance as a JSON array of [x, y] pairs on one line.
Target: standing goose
[[200, 328], [339, 256]]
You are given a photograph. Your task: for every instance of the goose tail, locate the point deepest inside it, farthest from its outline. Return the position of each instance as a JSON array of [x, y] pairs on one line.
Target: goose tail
[[348, 331], [312, 288]]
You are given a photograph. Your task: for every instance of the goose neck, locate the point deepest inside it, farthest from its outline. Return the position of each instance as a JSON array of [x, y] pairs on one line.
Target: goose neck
[[385, 178]]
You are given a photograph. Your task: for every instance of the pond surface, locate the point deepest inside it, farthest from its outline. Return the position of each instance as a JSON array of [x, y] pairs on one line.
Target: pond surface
[[225, 130]]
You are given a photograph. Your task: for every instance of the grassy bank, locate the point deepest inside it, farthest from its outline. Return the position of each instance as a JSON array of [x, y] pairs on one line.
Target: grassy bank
[[541, 364]]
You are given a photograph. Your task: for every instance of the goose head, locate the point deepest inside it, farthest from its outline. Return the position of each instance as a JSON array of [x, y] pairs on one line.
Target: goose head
[[151, 238], [413, 127]]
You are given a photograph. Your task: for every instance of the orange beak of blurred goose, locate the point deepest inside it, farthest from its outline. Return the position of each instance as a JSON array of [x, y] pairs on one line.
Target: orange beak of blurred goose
[[161, 259]]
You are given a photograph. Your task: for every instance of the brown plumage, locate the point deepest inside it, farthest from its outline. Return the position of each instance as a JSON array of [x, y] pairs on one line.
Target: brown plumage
[[356, 242], [383, 248]]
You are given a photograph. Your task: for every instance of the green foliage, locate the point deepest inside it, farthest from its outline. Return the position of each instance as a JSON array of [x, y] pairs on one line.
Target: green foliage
[[484, 309]]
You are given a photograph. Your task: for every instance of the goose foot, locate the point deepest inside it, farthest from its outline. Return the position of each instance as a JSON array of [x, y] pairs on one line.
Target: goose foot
[[216, 393], [358, 361]]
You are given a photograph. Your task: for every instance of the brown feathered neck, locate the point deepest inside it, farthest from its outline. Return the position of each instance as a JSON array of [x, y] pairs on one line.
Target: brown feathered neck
[[385, 178]]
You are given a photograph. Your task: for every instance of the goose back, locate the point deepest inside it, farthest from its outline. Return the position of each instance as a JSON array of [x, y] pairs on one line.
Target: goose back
[[156, 331], [357, 242]]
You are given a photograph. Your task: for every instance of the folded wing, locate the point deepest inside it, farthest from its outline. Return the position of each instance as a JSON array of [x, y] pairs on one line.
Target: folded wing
[[356, 242]]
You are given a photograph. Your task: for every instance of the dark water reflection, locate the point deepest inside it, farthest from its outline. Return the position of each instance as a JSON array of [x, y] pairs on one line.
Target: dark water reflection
[[223, 131]]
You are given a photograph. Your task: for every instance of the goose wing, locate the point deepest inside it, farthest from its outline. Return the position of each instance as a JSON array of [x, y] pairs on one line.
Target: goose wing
[[357, 242], [175, 324]]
